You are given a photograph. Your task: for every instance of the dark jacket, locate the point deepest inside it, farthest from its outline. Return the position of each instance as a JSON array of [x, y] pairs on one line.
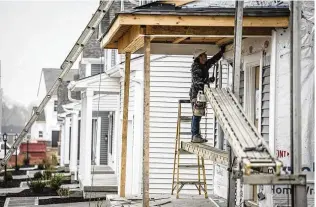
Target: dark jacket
[[200, 74]]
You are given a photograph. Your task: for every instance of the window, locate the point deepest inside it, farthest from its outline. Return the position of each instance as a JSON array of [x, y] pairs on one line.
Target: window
[[113, 58], [97, 69], [55, 105], [40, 134]]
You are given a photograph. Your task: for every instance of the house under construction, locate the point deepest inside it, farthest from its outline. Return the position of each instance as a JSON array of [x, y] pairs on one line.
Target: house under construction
[[130, 129]]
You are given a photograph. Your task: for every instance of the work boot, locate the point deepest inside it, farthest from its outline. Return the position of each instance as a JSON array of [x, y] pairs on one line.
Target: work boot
[[197, 139]]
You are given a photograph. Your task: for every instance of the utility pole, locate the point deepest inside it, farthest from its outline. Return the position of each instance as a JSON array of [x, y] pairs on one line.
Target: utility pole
[[239, 10]]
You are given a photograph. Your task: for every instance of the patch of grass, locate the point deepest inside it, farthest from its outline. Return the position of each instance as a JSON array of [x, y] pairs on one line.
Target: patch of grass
[[56, 181]]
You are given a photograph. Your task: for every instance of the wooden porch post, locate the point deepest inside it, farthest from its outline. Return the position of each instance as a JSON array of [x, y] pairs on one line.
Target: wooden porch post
[[125, 123], [146, 122]]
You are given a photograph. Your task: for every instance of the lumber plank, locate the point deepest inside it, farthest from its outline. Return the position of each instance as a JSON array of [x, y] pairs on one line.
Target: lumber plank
[[146, 122], [224, 41], [200, 20], [178, 40], [125, 123]]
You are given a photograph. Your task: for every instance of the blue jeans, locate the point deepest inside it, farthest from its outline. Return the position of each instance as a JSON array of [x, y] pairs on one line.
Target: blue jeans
[[195, 125]]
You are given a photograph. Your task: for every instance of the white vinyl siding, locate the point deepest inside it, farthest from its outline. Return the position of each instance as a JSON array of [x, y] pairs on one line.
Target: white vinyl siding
[[265, 98], [131, 95], [171, 81], [105, 102]]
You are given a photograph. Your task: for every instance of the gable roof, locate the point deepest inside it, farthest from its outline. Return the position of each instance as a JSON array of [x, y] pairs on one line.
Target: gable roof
[[41, 116], [51, 75]]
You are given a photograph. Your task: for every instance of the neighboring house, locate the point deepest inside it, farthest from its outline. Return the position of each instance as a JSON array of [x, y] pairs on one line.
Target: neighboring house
[[39, 127], [12, 131], [50, 132], [104, 108], [264, 94]]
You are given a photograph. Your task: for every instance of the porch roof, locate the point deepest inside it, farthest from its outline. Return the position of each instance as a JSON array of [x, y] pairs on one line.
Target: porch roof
[[167, 23], [105, 83]]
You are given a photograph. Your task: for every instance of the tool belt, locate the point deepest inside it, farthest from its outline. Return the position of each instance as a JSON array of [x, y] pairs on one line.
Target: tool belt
[[198, 108]]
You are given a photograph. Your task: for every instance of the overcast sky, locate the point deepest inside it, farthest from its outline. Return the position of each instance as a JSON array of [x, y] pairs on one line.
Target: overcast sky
[[36, 35]]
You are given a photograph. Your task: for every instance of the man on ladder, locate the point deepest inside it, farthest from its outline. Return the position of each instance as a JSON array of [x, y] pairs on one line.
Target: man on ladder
[[200, 76]]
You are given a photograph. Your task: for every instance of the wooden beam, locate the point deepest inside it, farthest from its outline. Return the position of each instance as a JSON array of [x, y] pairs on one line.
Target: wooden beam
[[186, 31], [125, 123], [224, 41], [178, 40], [132, 40], [200, 20], [146, 122], [110, 34], [175, 21]]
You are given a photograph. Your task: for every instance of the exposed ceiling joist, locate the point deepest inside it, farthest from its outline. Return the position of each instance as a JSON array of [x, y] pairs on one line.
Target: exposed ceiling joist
[[132, 40], [224, 41], [184, 31]]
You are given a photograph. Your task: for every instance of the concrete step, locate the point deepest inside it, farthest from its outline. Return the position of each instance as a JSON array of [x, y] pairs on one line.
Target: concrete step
[[21, 201], [75, 193], [101, 169], [105, 188]]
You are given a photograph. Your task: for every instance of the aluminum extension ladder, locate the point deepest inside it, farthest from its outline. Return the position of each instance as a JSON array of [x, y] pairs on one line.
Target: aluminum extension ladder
[[250, 149], [65, 67], [179, 184]]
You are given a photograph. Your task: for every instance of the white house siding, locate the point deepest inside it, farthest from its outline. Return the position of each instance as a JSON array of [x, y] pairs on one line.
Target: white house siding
[[108, 83], [38, 126], [51, 118], [108, 103], [170, 81], [131, 95], [105, 102], [131, 165]]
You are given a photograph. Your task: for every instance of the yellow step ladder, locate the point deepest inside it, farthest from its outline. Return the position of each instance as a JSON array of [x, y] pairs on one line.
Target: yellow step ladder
[[179, 184]]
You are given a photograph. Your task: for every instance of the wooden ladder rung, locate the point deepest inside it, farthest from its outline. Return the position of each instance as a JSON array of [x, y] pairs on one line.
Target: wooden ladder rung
[[191, 182], [177, 185]]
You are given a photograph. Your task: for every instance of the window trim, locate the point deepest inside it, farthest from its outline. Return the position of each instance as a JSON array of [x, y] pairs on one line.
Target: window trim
[[55, 105]]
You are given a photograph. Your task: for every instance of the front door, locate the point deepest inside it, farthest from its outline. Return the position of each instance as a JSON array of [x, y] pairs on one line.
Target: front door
[[55, 138]]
